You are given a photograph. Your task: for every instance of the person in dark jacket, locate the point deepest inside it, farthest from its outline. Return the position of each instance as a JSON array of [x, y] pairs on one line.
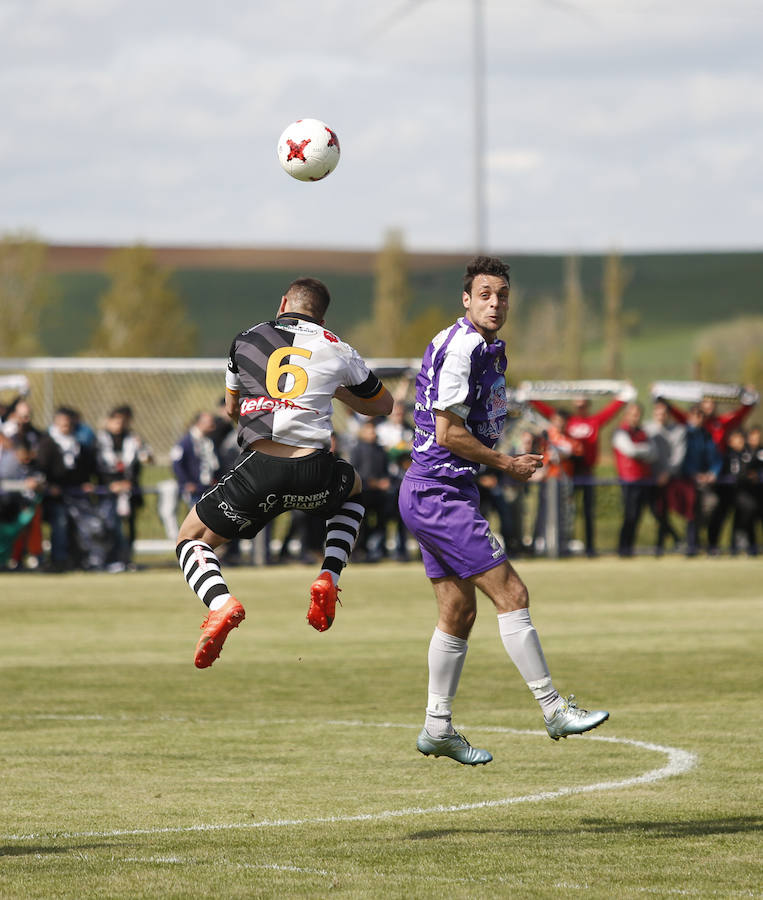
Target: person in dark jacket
[[700, 470], [370, 461], [121, 455], [194, 458], [70, 470]]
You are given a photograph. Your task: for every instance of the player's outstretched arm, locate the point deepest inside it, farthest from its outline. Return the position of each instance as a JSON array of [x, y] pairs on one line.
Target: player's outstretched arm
[[380, 405], [451, 432]]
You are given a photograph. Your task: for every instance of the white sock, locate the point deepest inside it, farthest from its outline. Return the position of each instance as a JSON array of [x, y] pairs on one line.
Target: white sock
[[523, 646], [201, 569], [446, 660]]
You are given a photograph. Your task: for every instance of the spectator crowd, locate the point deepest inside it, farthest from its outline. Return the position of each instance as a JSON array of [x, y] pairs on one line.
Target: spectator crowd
[[70, 494]]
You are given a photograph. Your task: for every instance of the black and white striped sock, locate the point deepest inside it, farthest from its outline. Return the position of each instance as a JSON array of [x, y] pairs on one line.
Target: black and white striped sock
[[341, 533], [201, 569]]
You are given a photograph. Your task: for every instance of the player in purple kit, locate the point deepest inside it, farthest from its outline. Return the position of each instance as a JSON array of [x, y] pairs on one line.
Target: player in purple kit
[[459, 414]]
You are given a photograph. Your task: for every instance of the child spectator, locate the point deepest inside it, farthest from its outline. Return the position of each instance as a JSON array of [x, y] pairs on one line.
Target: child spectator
[[20, 509]]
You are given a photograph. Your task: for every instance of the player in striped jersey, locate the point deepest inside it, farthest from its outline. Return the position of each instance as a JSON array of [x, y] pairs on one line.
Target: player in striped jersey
[[282, 376], [459, 414]]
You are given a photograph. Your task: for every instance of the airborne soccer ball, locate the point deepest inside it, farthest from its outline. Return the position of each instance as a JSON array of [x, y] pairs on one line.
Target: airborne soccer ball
[[308, 150]]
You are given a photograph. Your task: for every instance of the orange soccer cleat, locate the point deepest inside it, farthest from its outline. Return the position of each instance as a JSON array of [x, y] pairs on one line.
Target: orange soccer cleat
[[215, 629], [323, 600]]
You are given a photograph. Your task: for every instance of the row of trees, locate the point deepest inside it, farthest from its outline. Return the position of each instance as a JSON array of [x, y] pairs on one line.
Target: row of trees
[[565, 325], [141, 314]]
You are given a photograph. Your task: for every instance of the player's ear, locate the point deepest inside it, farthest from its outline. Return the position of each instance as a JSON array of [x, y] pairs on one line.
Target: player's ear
[[466, 299], [282, 307]]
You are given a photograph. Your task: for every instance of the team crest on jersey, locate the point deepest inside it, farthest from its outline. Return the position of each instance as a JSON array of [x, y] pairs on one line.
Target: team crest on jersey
[[330, 337]]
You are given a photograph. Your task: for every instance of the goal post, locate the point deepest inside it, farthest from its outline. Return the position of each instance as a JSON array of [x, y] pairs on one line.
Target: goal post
[[164, 394]]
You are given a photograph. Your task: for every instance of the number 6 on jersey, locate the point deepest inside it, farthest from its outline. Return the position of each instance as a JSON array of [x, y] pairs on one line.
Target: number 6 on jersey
[[276, 368]]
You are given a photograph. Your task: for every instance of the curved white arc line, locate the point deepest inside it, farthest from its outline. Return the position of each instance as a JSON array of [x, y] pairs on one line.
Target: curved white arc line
[[678, 763]]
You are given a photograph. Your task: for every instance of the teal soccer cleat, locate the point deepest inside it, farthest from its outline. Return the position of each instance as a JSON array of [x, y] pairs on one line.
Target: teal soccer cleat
[[568, 719], [453, 745]]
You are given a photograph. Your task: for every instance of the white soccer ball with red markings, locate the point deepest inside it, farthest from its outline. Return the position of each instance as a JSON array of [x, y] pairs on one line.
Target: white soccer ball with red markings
[[308, 150]]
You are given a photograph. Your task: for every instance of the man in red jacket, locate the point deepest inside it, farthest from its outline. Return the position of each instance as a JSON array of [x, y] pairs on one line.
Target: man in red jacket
[[634, 452], [584, 427]]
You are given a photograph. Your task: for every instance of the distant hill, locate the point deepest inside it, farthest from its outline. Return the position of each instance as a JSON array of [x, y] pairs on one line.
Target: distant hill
[[226, 288]]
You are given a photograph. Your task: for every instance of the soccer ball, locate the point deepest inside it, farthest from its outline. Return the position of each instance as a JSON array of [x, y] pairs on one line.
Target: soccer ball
[[308, 150]]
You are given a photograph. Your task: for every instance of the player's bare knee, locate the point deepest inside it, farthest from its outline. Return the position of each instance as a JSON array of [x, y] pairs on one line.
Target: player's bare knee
[[520, 595], [457, 621], [468, 618], [514, 596]]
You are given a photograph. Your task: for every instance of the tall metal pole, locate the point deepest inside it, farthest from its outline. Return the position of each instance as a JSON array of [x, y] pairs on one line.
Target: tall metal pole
[[480, 136]]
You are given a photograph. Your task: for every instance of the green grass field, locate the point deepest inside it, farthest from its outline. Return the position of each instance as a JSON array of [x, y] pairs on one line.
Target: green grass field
[[289, 769]]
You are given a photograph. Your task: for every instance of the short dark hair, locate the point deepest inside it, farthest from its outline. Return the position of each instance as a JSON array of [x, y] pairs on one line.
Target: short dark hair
[[123, 410], [485, 265], [309, 296]]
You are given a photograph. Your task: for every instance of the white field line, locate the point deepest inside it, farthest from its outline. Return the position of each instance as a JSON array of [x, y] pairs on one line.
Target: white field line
[[678, 762]]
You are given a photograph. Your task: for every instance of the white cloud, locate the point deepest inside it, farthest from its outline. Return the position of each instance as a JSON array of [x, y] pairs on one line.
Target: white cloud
[[515, 160], [605, 118]]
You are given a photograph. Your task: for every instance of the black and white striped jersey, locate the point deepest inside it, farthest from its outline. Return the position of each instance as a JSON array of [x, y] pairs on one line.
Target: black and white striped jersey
[[286, 372]]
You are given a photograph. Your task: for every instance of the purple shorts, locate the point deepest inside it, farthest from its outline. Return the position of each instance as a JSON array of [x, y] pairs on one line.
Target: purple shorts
[[454, 537]]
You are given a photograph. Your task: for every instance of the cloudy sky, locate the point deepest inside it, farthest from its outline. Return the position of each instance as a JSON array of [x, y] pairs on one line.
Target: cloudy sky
[[632, 124]]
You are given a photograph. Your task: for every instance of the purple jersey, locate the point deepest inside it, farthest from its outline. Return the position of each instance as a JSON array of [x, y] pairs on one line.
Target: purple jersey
[[461, 373]]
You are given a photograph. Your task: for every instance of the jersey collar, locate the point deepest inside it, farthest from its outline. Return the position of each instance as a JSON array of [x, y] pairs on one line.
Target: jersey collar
[[285, 317]]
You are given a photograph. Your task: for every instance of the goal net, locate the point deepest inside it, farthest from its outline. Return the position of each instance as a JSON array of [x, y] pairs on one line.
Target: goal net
[[165, 394]]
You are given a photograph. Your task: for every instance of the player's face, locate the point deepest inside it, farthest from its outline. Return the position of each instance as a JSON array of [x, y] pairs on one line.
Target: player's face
[[488, 304]]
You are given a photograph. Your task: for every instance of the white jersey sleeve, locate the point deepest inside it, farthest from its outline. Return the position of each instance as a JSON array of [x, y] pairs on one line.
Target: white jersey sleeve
[[455, 375]]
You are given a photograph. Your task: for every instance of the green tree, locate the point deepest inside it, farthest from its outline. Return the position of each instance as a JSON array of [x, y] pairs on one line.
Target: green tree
[[421, 329], [383, 334], [141, 314], [536, 354], [25, 291], [574, 314], [614, 282], [731, 351]]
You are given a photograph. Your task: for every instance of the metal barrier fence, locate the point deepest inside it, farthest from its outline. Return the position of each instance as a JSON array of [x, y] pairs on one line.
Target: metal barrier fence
[[537, 519]]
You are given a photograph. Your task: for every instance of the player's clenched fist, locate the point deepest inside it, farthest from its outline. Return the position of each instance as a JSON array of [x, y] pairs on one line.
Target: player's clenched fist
[[524, 467]]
